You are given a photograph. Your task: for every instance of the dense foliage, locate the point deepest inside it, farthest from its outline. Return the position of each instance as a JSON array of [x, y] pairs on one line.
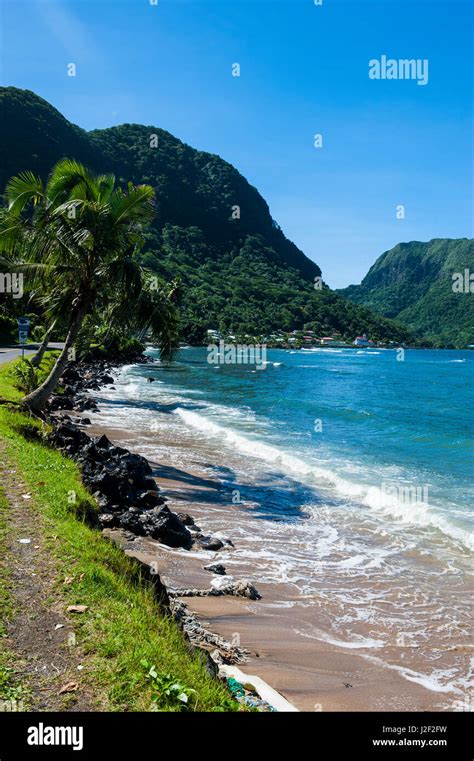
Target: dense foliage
[[413, 283], [212, 229], [77, 237]]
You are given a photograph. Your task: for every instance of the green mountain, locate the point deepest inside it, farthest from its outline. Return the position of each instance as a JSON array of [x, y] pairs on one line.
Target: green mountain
[[212, 228], [417, 285]]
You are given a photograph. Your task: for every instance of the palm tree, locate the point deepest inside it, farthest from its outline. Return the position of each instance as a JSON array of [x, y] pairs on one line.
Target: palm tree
[[78, 233], [38, 356], [151, 314]]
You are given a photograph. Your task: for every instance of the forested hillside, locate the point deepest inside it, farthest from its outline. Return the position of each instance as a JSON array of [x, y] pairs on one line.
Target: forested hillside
[[212, 229], [417, 285]]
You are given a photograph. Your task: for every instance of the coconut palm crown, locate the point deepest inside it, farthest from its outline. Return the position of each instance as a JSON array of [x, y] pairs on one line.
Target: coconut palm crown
[[77, 236]]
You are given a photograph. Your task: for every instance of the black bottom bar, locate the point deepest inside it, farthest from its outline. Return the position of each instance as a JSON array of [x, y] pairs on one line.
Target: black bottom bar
[[98, 735]]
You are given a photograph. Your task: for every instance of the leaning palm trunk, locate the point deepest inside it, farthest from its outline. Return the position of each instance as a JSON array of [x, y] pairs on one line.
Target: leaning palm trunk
[[143, 333], [38, 398], [36, 360]]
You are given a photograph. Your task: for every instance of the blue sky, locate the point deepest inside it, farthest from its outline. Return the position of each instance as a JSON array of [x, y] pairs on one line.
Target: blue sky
[[304, 70]]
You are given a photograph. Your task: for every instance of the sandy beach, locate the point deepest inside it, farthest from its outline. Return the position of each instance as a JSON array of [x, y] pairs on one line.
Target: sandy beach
[[313, 674]]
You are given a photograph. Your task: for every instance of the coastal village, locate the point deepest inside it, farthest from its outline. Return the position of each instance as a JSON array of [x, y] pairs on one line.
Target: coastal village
[[300, 339]]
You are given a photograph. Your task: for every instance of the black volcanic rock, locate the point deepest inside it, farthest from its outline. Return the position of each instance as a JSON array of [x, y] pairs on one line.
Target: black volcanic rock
[[120, 481], [187, 519], [149, 499], [167, 528], [217, 568], [211, 543], [102, 442]]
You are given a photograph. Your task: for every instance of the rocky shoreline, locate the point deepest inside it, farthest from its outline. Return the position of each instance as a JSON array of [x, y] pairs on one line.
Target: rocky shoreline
[[129, 500], [121, 482]]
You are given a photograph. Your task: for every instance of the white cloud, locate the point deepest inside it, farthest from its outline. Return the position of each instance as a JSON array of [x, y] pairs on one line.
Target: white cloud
[[72, 34]]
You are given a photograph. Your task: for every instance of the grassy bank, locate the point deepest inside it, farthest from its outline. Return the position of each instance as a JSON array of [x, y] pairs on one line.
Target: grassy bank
[[123, 624]]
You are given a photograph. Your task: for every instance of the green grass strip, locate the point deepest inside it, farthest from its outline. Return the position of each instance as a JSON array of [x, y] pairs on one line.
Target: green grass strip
[[123, 624]]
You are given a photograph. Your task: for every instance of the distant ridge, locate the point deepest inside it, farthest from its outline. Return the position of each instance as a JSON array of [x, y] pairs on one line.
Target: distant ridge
[[413, 284]]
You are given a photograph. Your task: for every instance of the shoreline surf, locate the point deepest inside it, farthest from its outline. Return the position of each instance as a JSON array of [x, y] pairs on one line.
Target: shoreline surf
[[346, 605]]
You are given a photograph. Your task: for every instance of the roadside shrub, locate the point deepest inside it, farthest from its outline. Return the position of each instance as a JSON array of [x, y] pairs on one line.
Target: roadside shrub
[[168, 692], [38, 332], [24, 375]]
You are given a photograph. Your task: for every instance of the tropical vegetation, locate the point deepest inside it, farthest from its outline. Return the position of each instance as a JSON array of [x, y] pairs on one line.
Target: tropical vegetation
[[76, 237], [427, 287], [212, 231], [122, 624]]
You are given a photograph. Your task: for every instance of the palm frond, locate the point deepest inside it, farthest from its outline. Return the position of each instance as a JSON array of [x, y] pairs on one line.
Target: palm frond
[[23, 189], [123, 273], [68, 175], [134, 206], [105, 186]]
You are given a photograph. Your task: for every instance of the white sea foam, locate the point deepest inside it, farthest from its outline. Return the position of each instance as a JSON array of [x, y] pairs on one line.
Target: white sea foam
[[438, 681], [218, 582], [372, 497], [418, 513], [352, 577], [355, 644], [428, 681], [325, 350]]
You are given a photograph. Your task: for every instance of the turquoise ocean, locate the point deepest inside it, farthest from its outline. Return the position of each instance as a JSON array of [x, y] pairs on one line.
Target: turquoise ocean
[[349, 477]]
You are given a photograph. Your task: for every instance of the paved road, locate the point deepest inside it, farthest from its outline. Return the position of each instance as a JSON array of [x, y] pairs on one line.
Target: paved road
[[10, 352]]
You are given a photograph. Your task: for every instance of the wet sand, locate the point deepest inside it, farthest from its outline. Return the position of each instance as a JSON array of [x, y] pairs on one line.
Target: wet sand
[[312, 674]]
